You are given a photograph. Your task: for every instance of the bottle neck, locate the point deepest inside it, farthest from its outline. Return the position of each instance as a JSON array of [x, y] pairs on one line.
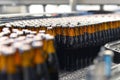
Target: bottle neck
[[10, 64], [2, 63], [50, 47], [38, 56], [71, 32], [26, 59], [17, 58]]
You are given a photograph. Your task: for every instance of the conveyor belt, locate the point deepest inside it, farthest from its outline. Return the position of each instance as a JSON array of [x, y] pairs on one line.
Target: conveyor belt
[[81, 74], [76, 75]]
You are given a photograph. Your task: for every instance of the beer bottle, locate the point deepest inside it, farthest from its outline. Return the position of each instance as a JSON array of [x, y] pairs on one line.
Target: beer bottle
[[27, 68], [43, 27], [117, 30], [112, 30], [57, 32], [3, 73], [36, 27], [85, 42], [77, 35], [29, 42], [52, 62], [44, 46], [102, 33], [90, 39], [64, 35], [50, 31], [39, 61], [71, 35], [10, 65], [81, 36], [108, 31], [95, 32], [17, 59]]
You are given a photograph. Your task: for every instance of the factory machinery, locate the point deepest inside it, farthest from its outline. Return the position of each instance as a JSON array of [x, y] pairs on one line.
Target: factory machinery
[[65, 48]]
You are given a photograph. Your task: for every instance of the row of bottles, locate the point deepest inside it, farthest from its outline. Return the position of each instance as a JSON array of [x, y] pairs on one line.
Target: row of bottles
[[27, 56], [80, 31], [77, 38]]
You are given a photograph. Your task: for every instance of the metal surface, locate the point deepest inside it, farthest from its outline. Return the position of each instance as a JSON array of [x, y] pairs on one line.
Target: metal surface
[[76, 75], [73, 4], [82, 74]]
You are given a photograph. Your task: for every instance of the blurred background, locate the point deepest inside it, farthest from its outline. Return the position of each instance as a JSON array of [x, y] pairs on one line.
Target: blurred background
[[59, 6]]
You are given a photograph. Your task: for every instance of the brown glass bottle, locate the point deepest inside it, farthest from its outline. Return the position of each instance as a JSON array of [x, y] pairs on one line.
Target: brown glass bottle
[[71, 36], [26, 63], [81, 36], [41, 70], [57, 33], [52, 62], [17, 59], [77, 36], [3, 73], [10, 65], [64, 35], [50, 31]]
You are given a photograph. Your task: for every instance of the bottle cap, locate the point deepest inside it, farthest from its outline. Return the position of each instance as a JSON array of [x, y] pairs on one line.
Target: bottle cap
[[30, 36], [1, 34], [42, 31], [42, 35], [49, 37], [37, 44], [5, 29], [9, 41], [21, 38], [28, 41], [4, 38], [13, 35], [15, 30], [17, 45], [37, 38], [20, 32], [49, 27], [33, 32], [24, 47], [8, 25], [8, 50]]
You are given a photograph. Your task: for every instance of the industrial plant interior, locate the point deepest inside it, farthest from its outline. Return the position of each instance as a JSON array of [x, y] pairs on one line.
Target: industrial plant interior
[[59, 40]]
